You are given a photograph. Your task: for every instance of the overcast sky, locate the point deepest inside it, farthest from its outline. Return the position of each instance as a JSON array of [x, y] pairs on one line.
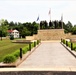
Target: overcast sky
[[28, 10]]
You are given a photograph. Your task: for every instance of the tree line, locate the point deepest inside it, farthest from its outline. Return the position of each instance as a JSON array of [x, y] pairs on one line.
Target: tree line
[[25, 29], [28, 28], [51, 25], [68, 27]]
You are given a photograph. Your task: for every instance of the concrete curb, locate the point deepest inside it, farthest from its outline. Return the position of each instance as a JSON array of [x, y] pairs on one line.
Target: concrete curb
[[52, 69], [19, 61], [51, 41], [69, 50]]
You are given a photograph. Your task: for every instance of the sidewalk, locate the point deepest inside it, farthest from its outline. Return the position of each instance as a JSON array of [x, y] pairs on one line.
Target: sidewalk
[[49, 54]]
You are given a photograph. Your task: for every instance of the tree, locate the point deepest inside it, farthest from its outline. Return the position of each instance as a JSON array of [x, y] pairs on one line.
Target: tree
[[74, 30], [25, 32], [31, 27], [3, 28], [50, 24], [55, 23], [11, 25], [60, 24], [68, 27], [35, 27], [43, 25]]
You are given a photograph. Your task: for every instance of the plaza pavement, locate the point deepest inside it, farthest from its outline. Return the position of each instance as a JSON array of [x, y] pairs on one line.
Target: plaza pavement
[[50, 55]]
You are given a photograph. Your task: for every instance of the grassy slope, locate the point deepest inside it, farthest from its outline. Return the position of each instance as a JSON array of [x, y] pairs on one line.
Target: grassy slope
[[7, 47]]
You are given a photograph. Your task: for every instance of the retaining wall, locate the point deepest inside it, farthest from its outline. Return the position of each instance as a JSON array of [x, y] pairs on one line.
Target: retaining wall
[[50, 34]]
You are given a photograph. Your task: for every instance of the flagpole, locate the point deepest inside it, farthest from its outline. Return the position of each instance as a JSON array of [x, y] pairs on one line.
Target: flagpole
[[62, 20], [50, 13], [39, 22]]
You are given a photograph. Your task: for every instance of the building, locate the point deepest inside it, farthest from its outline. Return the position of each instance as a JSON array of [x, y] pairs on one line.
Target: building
[[15, 33]]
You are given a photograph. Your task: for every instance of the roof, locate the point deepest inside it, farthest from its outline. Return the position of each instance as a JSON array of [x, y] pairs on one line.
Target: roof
[[15, 31], [10, 31]]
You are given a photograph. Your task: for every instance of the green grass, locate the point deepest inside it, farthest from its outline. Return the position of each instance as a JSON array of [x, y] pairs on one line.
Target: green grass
[[69, 44], [74, 45], [7, 47]]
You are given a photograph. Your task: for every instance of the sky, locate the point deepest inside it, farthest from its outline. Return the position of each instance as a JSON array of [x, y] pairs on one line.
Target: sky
[[28, 10]]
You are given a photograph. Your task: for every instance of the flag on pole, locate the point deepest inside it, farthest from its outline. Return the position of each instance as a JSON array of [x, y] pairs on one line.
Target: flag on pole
[[49, 13], [37, 18], [62, 18], [39, 21]]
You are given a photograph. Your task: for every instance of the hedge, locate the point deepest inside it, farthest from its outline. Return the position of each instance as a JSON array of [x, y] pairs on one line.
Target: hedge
[[69, 44], [12, 57], [9, 59], [25, 49], [38, 41], [16, 53]]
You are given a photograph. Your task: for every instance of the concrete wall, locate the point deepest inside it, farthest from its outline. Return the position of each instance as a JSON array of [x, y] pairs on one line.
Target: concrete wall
[[30, 38], [71, 36], [4, 37], [50, 34]]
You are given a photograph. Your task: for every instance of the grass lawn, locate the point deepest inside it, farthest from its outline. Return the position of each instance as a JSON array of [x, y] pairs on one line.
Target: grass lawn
[[7, 47], [74, 45]]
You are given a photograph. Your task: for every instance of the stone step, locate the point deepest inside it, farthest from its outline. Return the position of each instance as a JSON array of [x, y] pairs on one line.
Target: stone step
[[44, 71]]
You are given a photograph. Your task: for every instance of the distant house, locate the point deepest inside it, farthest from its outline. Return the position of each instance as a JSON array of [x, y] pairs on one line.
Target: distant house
[[15, 33]]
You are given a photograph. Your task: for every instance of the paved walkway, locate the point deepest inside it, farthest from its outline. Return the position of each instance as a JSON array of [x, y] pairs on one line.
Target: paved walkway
[[47, 55]]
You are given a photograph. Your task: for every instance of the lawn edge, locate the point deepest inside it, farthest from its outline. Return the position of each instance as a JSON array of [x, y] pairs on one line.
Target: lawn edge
[[71, 51], [19, 61]]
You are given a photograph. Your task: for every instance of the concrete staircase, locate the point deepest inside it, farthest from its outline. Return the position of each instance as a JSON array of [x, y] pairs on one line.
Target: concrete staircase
[[51, 34]]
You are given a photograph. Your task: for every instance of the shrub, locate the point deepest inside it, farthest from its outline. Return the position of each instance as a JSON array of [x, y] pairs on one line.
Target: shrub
[[64, 41], [34, 43], [24, 50], [9, 59], [69, 44], [16, 53], [75, 48], [30, 47], [38, 41], [11, 37], [12, 57]]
